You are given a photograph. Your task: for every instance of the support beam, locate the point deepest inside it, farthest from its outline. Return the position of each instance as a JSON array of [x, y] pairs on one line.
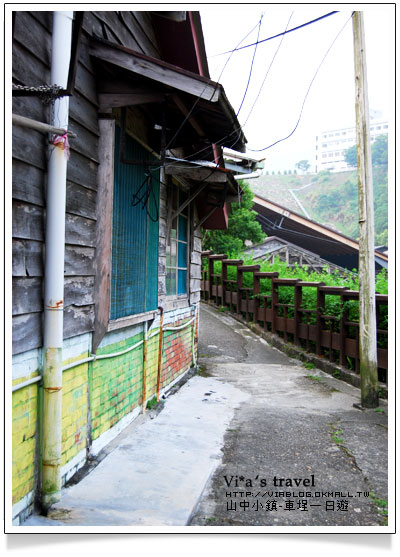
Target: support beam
[[192, 121], [188, 201], [116, 100], [203, 220], [155, 70]]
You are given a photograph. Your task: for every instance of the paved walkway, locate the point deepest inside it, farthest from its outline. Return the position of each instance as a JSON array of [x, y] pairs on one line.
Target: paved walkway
[[252, 418]]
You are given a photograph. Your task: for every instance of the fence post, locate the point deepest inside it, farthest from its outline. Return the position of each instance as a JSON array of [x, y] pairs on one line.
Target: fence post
[[224, 277], [344, 317], [298, 298], [211, 260], [318, 328], [274, 301], [204, 273], [245, 269], [210, 278]]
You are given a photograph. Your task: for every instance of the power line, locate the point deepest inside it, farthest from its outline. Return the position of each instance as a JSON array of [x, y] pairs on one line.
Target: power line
[[235, 49], [279, 34], [269, 68], [216, 86], [287, 137], [251, 67], [219, 142], [275, 226], [308, 90]]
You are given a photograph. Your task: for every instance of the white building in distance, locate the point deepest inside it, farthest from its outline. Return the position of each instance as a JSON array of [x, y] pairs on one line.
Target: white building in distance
[[331, 145]]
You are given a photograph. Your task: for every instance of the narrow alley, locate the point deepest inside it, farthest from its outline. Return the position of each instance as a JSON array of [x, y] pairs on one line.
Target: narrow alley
[[252, 439], [297, 425]]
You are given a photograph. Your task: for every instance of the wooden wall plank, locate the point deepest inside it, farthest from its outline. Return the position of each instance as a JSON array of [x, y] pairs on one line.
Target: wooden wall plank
[[85, 83], [26, 332], [31, 34], [27, 69], [29, 146], [134, 27], [28, 221], [86, 143], [81, 201], [82, 171], [26, 295], [80, 231], [79, 261], [78, 291], [92, 26], [117, 27], [83, 111], [27, 258], [84, 57], [44, 18], [145, 31], [31, 107], [78, 320], [28, 182]]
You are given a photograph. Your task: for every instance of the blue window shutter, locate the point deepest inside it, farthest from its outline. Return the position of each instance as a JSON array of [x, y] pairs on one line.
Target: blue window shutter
[[134, 269]]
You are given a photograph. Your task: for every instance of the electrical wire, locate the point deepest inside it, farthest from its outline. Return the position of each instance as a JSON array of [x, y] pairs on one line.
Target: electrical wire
[[251, 66], [279, 34], [219, 142], [323, 59], [274, 226], [216, 86], [269, 68], [234, 50], [306, 95]]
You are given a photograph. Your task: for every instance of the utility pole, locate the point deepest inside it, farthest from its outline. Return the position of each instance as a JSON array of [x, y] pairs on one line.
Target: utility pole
[[366, 268]]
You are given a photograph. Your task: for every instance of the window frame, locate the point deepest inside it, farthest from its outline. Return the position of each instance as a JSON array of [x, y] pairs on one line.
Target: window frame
[[132, 318], [102, 323], [173, 204]]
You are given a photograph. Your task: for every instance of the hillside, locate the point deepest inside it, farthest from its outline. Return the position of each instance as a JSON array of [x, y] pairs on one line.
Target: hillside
[[328, 198]]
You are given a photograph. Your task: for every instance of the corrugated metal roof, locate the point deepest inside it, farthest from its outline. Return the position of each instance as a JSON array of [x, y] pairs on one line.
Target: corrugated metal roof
[[295, 228]]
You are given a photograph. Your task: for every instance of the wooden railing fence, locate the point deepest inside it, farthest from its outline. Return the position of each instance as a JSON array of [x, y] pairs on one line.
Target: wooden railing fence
[[325, 329]]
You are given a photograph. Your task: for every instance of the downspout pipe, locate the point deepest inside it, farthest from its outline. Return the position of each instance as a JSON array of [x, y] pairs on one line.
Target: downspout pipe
[[54, 269]]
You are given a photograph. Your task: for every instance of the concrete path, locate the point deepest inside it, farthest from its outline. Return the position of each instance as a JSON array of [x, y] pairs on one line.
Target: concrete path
[[249, 416], [298, 453]]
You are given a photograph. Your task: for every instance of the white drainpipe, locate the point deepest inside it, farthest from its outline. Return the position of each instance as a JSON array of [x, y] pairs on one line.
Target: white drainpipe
[[54, 269]]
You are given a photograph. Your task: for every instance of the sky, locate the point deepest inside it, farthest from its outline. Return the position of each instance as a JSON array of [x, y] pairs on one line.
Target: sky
[[288, 66]]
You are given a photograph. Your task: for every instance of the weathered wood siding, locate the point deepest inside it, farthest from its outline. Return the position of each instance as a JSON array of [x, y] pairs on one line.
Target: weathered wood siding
[[31, 66]]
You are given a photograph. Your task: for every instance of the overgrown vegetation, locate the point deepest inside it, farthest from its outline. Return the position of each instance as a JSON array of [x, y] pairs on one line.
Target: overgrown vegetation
[[333, 304], [336, 203], [332, 197], [303, 273], [242, 226]]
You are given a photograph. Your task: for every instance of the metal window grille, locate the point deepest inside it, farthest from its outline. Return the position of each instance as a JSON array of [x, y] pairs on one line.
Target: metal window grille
[[134, 269]]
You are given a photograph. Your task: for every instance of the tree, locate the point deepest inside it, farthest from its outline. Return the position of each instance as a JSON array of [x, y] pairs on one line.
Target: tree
[[379, 153], [350, 156], [242, 226], [303, 165]]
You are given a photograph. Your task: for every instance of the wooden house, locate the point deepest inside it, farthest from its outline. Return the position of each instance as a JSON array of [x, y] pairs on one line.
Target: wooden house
[[141, 145]]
